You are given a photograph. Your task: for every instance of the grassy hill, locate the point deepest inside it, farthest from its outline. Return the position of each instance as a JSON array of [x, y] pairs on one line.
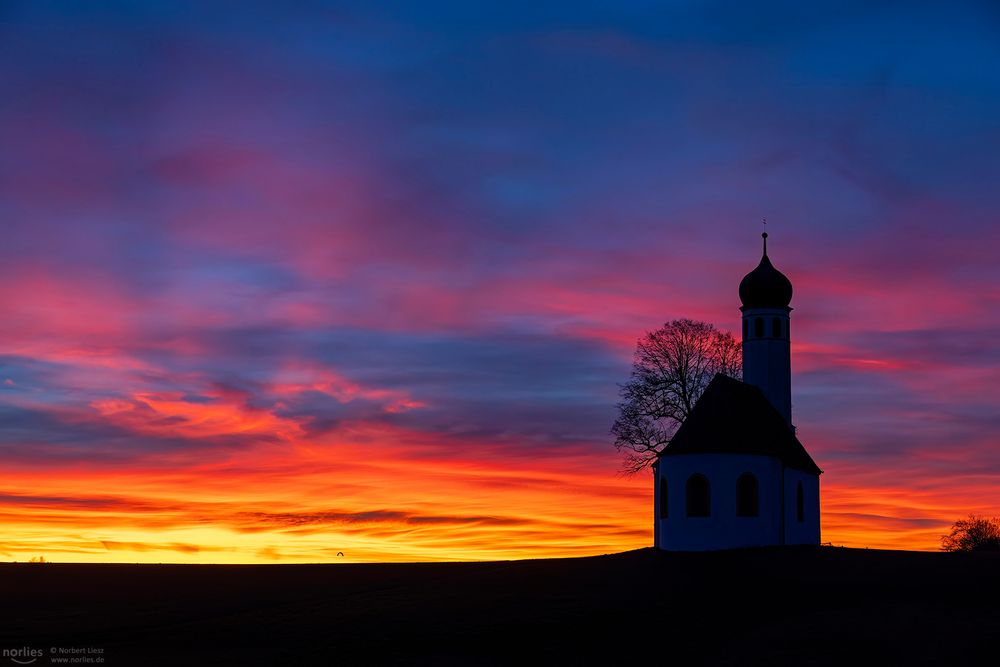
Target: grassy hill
[[796, 606]]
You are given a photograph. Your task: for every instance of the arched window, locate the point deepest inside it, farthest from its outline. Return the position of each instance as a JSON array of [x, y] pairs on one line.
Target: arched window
[[699, 502], [800, 504], [664, 509], [747, 496], [776, 327], [758, 327]]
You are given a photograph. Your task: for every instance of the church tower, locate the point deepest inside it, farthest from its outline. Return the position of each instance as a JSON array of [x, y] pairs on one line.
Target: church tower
[[767, 362]]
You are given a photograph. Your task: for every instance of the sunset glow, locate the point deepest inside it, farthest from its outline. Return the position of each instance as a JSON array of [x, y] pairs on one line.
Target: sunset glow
[[279, 285]]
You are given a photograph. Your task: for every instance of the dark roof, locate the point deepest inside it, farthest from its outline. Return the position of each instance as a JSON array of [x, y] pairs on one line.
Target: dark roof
[[765, 286], [734, 417]]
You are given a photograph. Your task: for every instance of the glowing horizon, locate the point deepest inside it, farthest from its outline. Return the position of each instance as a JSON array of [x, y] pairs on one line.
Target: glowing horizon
[[281, 284]]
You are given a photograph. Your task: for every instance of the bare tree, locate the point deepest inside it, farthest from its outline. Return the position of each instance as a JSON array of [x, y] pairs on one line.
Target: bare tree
[[670, 370], [976, 533]]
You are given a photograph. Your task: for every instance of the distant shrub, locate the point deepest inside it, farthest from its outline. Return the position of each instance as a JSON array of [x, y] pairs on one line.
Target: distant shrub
[[976, 533], [38, 559]]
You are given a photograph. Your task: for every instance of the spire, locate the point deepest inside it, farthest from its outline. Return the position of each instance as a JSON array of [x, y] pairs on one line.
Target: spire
[[765, 286]]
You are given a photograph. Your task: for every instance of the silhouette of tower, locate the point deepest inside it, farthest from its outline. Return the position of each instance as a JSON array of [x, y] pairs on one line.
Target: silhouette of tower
[[767, 364]]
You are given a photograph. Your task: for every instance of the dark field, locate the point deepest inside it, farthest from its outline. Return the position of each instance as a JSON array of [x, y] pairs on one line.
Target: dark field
[[795, 606]]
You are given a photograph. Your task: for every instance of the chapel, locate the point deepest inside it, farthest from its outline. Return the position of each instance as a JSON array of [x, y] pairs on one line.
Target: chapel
[[735, 474]]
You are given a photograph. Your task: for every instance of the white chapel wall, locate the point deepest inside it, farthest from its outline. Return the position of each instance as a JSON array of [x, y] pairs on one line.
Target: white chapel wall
[[723, 529]]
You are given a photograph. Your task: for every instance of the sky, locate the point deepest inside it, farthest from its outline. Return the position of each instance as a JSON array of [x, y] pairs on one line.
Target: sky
[[282, 281]]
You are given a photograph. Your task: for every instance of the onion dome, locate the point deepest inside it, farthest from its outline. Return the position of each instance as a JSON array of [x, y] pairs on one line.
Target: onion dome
[[765, 286]]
